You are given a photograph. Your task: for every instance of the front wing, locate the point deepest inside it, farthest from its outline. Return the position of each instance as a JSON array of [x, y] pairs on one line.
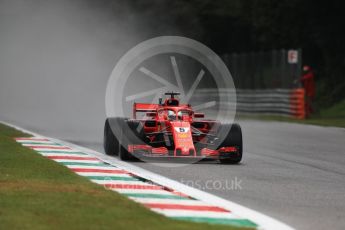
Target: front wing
[[204, 153]]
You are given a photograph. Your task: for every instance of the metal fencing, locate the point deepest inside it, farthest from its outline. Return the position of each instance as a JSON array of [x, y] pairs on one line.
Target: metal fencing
[[266, 82], [265, 70]]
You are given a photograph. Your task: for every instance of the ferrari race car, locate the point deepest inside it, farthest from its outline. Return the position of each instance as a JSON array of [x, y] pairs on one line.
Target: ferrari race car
[[172, 130]]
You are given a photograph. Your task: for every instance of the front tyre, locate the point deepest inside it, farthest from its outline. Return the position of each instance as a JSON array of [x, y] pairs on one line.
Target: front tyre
[[233, 138], [132, 133], [110, 142]]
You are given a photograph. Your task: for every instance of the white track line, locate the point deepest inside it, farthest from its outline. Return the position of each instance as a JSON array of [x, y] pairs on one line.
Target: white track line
[[62, 154], [101, 167], [117, 182], [156, 192], [169, 201], [101, 174], [77, 161], [182, 213], [29, 139], [27, 142], [264, 221], [56, 150]]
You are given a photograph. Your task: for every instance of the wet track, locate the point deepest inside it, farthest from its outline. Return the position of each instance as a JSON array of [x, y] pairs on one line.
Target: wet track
[[294, 173], [55, 62]]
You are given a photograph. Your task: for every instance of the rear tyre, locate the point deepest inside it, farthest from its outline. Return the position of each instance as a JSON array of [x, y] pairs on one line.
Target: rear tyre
[[110, 142], [233, 138]]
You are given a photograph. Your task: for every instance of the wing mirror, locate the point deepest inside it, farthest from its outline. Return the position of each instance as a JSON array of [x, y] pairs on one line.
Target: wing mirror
[[151, 114], [199, 115]]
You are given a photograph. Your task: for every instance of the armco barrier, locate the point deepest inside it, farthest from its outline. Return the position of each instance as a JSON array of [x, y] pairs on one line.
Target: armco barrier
[[283, 102]]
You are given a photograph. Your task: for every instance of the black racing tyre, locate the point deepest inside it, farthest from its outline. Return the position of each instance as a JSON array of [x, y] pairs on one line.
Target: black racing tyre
[[233, 138], [110, 142], [132, 133]]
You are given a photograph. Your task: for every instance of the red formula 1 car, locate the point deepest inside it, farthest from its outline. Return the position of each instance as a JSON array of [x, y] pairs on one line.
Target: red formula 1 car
[[172, 130]]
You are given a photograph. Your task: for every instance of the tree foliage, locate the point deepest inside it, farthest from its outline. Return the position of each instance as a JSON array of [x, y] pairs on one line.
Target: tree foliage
[[254, 25]]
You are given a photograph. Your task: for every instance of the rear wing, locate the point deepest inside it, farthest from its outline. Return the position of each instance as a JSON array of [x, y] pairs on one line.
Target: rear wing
[[144, 108]]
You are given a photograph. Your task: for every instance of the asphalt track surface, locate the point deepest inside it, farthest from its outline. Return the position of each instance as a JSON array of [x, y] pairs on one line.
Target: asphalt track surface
[[54, 67], [294, 173]]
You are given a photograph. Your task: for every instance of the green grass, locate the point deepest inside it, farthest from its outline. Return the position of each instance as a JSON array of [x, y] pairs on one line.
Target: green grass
[[334, 116], [37, 193]]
